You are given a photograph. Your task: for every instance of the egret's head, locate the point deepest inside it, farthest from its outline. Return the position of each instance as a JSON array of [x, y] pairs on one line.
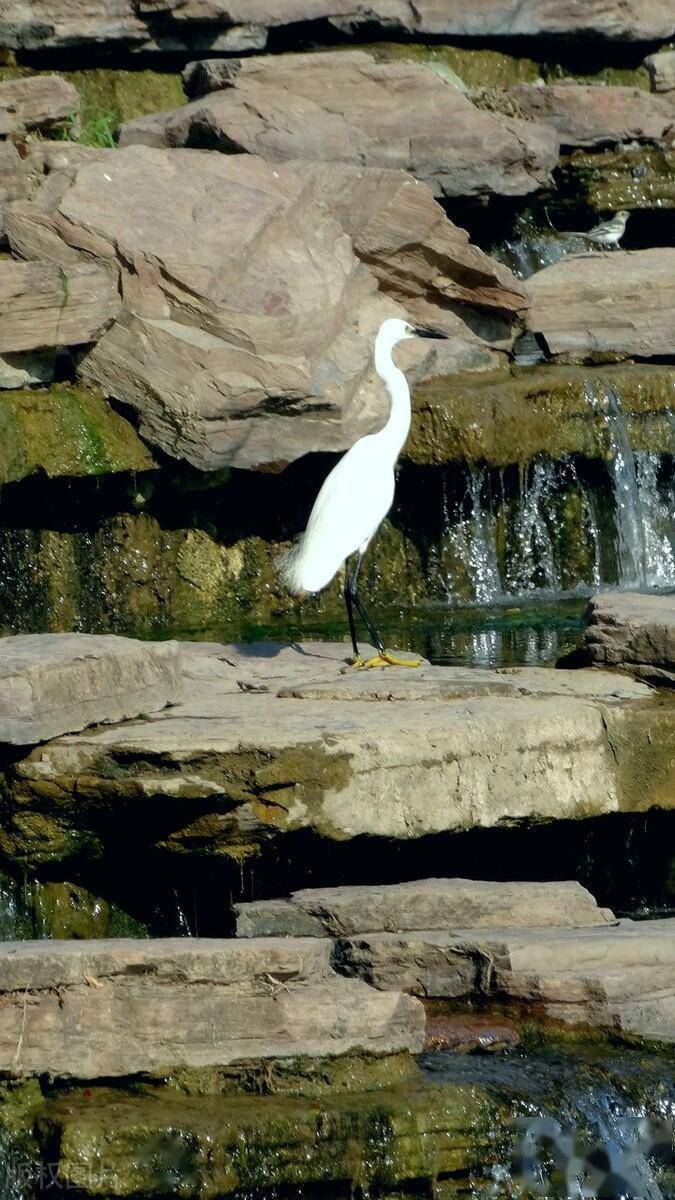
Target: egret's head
[[395, 330]]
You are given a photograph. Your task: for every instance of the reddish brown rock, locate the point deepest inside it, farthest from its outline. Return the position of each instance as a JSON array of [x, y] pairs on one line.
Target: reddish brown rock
[[594, 115], [613, 304], [470, 1033], [348, 108], [166, 25], [42, 304], [43, 102], [251, 293]]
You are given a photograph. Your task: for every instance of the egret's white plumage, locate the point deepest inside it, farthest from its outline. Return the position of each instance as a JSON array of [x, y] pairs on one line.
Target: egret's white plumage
[[358, 493], [356, 497]]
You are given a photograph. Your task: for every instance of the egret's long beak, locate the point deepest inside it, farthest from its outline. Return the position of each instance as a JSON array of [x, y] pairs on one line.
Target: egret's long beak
[[422, 331]]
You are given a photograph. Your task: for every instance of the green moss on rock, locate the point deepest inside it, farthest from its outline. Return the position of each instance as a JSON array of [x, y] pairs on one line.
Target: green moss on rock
[[210, 1147], [65, 431], [632, 177], [514, 415]]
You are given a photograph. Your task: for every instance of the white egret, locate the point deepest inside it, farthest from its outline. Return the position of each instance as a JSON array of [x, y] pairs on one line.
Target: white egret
[[356, 497]]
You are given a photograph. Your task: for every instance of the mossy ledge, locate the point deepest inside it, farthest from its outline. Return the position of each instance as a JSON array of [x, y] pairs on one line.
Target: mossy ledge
[[67, 430]]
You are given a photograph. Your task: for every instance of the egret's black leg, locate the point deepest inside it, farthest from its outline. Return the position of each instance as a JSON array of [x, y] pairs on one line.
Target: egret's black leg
[[349, 605], [357, 602]]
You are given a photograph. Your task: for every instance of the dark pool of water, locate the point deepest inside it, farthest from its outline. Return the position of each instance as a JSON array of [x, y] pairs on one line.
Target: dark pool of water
[[525, 632]]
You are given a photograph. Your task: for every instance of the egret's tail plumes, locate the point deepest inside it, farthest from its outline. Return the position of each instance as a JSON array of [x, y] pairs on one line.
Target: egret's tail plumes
[[303, 570]]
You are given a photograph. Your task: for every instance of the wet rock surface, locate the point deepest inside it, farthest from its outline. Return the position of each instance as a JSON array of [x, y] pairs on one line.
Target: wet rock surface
[[272, 740], [637, 632], [470, 1033], [114, 1008], [54, 683]]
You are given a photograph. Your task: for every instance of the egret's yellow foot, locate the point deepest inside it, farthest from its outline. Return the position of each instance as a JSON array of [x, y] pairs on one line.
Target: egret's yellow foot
[[386, 660]]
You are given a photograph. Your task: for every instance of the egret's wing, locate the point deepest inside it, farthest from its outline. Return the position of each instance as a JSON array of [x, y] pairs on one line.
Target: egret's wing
[[354, 499]]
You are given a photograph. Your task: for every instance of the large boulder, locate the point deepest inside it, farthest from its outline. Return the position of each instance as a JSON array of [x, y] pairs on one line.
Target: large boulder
[[594, 115], [109, 1008], [346, 107], [251, 293], [616, 304], [53, 683], [171, 25]]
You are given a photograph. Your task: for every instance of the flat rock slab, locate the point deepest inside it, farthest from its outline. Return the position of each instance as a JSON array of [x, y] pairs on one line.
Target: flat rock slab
[[620, 978], [112, 1008], [441, 904], [56, 683], [337, 107], [628, 629], [221, 1145], [618, 302], [244, 762]]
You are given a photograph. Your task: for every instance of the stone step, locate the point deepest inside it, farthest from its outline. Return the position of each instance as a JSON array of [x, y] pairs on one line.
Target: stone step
[[93, 1009], [390, 754], [441, 904], [619, 977]]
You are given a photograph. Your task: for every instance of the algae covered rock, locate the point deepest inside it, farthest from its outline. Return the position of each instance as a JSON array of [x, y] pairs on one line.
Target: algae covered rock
[[215, 1147], [65, 431]]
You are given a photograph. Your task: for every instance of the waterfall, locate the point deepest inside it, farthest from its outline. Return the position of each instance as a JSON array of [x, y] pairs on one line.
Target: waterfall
[[558, 527], [644, 513]]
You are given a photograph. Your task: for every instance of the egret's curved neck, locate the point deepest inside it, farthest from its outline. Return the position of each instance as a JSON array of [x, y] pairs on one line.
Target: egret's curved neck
[[397, 428]]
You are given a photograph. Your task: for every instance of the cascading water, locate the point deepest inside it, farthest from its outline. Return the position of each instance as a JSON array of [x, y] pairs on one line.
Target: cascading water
[[563, 527]]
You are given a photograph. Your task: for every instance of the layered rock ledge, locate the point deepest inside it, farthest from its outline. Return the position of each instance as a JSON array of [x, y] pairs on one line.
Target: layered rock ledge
[[544, 947], [86, 1010], [272, 740]]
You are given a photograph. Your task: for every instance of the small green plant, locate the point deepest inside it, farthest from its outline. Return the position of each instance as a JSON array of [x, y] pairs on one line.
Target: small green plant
[[100, 129]]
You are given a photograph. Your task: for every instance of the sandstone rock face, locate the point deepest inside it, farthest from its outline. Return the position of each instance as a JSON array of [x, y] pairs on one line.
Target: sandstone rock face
[[272, 740], [111, 1008], [440, 904], [616, 303], [587, 115], [45, 305], [59, 682], [339, 107], [620, 978], [42, 102], [170, 25], [634, 631], [661, 68], [260, 363]]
